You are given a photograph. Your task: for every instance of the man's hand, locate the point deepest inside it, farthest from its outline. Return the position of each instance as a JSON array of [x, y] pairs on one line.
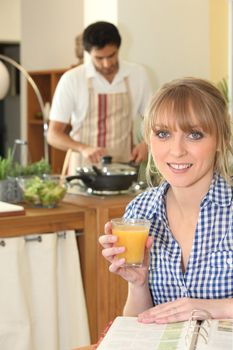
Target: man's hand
[[139, 153], [93, 154]]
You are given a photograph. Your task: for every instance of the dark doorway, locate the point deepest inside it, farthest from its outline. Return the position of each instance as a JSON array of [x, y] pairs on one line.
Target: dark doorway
[[10, 105]]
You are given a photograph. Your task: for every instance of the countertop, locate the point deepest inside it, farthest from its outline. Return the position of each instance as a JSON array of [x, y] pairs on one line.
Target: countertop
[[69, 215], [66, 216]]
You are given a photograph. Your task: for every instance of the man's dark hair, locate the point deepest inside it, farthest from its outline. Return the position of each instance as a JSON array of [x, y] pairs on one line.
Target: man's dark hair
[[100, 34]]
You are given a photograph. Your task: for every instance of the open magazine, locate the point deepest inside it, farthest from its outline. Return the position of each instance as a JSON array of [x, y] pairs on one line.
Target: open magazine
[[126, 333]]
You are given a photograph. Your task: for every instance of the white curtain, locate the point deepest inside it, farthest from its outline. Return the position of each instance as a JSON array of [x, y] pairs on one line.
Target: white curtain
[[42, 304]]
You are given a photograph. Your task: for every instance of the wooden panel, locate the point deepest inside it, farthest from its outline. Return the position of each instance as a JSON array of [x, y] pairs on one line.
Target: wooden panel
[[112, 289], [46, 82], [88, 250], [56, 160], [35, 143], [64, 217]]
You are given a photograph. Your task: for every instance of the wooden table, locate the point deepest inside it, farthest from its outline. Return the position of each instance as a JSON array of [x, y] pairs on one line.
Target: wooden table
[[105, 292], [65, 217]]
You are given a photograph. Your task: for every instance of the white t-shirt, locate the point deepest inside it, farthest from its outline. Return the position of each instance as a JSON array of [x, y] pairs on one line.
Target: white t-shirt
[[70, 102]]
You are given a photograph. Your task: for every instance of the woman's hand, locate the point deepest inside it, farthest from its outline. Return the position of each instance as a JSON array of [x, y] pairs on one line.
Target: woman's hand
[[180, 310], [135, 275]]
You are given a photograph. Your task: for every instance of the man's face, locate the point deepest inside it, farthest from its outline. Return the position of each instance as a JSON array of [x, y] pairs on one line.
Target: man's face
[[105, 60]]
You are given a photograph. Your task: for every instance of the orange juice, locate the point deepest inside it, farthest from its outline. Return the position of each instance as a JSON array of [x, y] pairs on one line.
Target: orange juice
[[133, 238]]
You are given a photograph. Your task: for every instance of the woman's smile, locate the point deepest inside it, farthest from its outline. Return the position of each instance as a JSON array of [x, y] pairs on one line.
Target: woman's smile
[[179, 166]]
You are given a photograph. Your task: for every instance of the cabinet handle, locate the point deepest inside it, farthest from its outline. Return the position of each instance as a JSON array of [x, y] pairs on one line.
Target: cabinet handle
[[2, 243], [79, 233], [33, 239], [61, 234]]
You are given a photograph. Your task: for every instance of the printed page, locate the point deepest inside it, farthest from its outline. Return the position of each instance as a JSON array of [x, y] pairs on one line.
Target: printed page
[[218, 333], [126, 333]]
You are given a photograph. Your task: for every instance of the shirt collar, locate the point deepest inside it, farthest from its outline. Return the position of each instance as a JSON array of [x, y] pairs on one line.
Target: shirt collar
[[220, 193], [123, 71], [156, 204]]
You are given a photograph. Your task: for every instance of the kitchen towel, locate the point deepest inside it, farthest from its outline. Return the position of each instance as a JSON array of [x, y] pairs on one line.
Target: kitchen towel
[[41, 300]]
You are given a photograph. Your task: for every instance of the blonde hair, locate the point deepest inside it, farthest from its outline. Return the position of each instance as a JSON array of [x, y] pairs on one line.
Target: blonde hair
[[184, 98]]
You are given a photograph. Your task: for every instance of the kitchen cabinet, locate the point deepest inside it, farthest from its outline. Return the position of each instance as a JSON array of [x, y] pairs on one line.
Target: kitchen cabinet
[[39, 271], [105, 292], [46, 81]]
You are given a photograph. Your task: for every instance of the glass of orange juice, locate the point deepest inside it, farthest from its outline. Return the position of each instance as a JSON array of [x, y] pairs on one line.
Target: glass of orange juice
[[132, 234]]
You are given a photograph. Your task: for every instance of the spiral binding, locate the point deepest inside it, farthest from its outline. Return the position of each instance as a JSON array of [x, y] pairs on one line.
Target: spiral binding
[[196, 328]]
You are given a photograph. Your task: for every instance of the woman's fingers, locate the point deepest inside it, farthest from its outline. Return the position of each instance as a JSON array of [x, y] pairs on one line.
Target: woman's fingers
[[108, 228], [116, 265], [177, 310], [111, 253], [107, 241]]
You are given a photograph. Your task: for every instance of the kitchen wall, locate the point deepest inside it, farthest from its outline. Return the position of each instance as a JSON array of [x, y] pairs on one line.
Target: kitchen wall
[[48, 32], [218, 39], [100, 10], [48, 36], [170, 38], [10, 20]]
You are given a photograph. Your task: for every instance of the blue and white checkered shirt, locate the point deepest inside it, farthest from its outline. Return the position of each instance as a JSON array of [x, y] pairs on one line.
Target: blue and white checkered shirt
[[209, 272]]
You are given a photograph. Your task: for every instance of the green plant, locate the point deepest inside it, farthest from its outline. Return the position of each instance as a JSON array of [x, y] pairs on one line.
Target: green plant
[[10, 168], [6, 165], [38, 168]]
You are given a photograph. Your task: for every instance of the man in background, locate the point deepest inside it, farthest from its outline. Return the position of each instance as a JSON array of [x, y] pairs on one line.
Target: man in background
[[100, 100]]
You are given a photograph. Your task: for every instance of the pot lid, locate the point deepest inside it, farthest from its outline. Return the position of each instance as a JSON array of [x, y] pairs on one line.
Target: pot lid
[[106, 167]]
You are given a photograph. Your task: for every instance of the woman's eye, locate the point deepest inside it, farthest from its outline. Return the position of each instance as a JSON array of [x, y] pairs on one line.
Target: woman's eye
[[196, 135], [162, 134]]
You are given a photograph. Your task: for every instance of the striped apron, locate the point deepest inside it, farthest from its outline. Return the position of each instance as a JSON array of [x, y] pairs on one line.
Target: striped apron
[[108, 124]]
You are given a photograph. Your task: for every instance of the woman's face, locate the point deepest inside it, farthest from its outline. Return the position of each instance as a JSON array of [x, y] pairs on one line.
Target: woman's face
[[183, 158]]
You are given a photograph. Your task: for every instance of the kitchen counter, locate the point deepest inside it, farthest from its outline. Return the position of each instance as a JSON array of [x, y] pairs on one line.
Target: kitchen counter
[[45, 271], [41, 220], [105, 292]]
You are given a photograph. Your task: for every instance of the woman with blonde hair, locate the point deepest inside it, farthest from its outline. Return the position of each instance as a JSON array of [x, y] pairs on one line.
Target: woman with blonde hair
[[189, 252]]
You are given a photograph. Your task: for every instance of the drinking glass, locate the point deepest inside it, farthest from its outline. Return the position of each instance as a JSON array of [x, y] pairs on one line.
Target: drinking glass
[[132, 234]]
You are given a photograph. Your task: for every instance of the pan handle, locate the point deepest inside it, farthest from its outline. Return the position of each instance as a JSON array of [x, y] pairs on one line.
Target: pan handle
[[76, 177], [84, 177]]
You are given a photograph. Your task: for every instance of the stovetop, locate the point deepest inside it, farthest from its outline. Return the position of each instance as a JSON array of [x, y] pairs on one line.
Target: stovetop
[[82, 190]]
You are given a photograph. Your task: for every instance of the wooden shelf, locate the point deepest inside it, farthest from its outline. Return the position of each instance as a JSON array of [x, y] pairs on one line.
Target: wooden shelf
[[46, 80], [36, 122]]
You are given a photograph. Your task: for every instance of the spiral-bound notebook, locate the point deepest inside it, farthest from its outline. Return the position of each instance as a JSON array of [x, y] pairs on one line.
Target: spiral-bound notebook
[[126, 333]]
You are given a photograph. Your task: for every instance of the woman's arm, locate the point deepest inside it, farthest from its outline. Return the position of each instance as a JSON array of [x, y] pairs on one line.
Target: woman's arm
[[138, 299], [180, 310]]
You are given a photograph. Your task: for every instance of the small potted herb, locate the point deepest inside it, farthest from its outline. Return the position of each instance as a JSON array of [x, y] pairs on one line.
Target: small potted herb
[[11, 170]]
